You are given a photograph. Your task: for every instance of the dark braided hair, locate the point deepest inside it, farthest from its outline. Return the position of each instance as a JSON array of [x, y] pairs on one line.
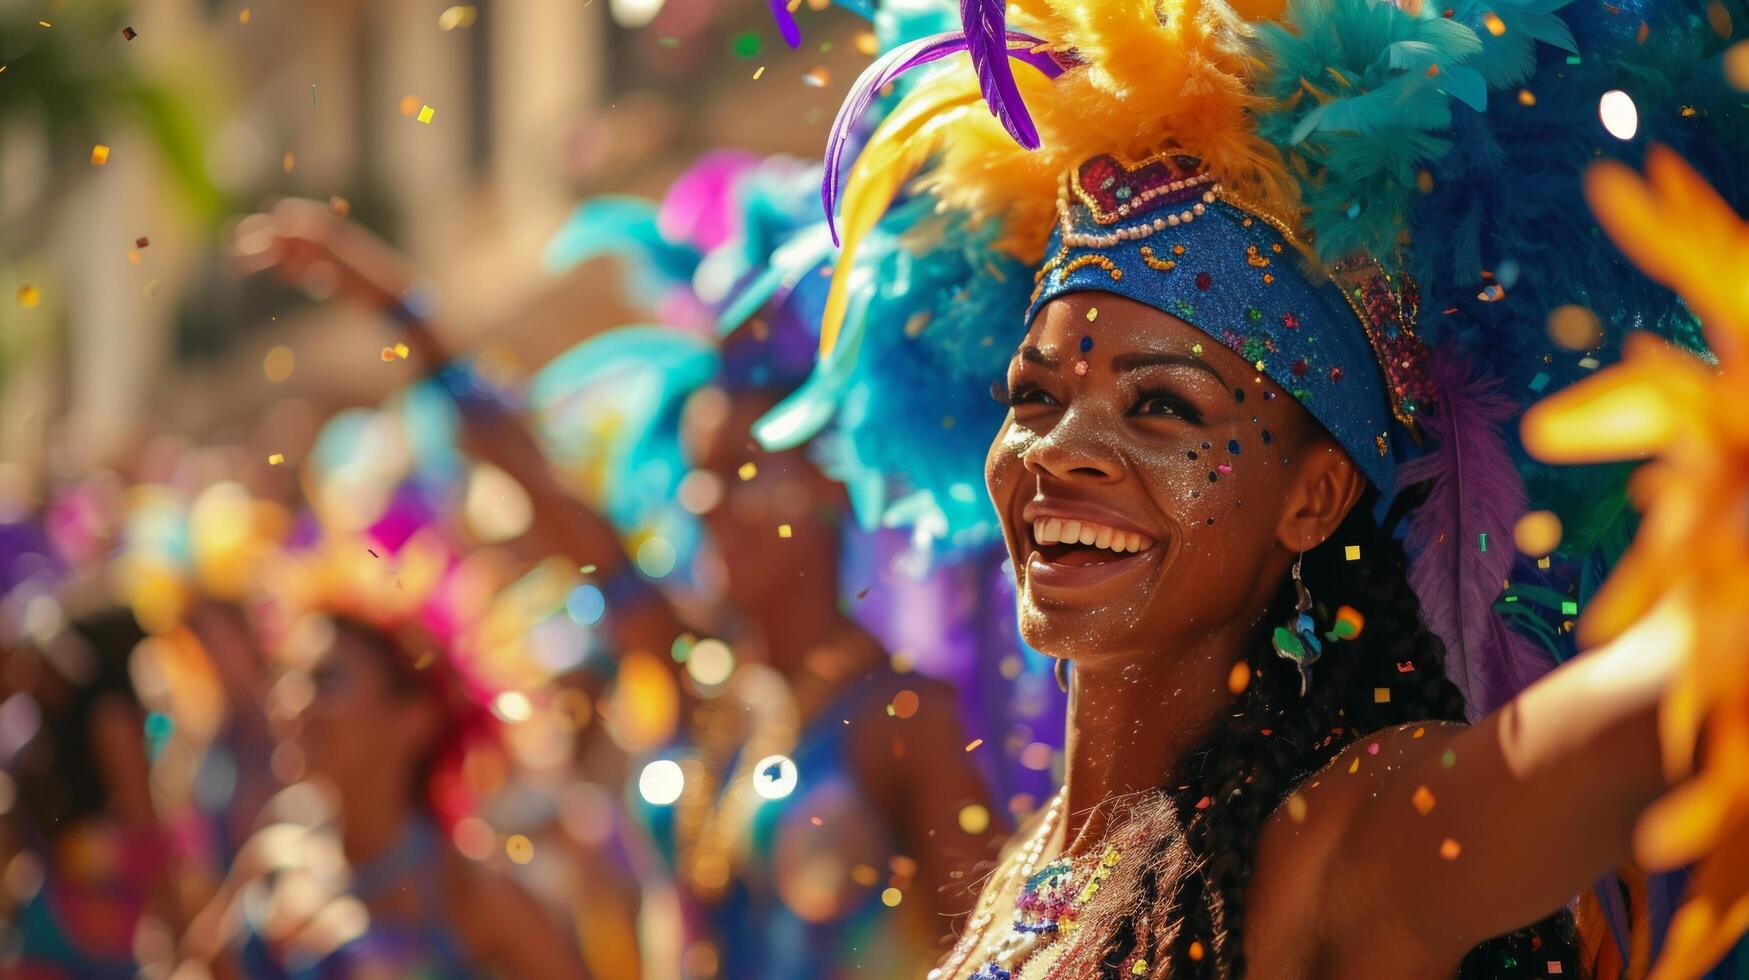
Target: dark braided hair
[[1273, 739]]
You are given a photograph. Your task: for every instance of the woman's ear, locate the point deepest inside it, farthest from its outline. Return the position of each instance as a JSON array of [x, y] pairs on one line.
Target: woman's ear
[[1323, 491]]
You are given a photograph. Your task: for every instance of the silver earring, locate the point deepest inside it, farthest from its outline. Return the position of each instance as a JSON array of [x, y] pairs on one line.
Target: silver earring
[[1298, 640], [1062, 671]]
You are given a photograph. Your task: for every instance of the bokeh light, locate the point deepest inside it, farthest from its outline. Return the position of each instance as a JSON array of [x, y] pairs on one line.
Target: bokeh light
[[661, 782]]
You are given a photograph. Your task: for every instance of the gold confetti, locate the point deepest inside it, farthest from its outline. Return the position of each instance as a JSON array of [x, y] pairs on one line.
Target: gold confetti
[[974, 743], [1418, 732], [1450, 849], [44, 23], [276, 459], [277, 365], [1092, 313], [1381, 695], [425, 114], [1239, 678], [784, 531], [757, 72], [1351, 552], [1494, 24], [402, 350], [974, 819], [462, 15], [519, 849], [587, 569], [1296, 808], [29, 297], [243, 16], [1526, 97], [99, 155], [747, 471], [1423, 800], [1354, 766], [1196, 951]]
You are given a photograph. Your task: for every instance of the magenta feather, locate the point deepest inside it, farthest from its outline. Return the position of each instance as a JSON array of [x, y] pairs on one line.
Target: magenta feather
[[1475, 490], [888, 67], [786, 23]]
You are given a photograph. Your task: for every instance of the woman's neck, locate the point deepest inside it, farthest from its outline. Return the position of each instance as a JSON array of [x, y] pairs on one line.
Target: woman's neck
[[372, 820], [1131, 722]]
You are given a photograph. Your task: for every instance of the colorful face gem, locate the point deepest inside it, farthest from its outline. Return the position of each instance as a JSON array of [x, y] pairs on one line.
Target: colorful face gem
[[1080, 369], [1204, 280], [1086, 344], [1233, 446]]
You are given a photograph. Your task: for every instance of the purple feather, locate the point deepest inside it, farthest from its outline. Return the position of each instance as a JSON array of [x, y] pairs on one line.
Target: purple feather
[[887, 68], [985, 23], [1476, 490], [786, 23]]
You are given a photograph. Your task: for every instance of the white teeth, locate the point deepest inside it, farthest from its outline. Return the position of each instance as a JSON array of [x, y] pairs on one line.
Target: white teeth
[[1052, 530]]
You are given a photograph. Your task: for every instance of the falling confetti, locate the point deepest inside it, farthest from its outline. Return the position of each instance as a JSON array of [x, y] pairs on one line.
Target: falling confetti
[[1239, 678], [1526, 97], [1450, 849], [784, 531], [459, 16], [129, 33], [757, 72], [1092, 313], [99, 155], [748, 471], [745, 45], [974, 743], [587, 569], [29, 297], [142, 242], [1494, 24], [425, 114], [817, 77], [1381, 695], [1351, 552], [276, 459], [288, 162], [1422, 800]]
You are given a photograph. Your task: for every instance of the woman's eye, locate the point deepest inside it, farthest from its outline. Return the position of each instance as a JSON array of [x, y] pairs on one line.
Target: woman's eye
[[1158, 405], [1030, 395]]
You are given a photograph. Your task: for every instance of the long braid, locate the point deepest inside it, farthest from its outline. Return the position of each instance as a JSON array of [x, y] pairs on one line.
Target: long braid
[[1274, 738]]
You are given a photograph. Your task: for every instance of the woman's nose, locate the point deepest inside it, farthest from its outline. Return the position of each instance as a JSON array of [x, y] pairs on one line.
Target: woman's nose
[[1074, 449]]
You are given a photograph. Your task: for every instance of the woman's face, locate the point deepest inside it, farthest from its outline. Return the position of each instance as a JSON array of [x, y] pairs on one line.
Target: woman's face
[[1169, 462], [358, 725]]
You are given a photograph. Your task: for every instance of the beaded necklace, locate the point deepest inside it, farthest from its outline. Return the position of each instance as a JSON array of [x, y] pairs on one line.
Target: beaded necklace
[[1046, 908]]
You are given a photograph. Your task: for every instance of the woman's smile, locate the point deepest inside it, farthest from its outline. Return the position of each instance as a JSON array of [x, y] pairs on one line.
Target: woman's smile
[[1075, 545]]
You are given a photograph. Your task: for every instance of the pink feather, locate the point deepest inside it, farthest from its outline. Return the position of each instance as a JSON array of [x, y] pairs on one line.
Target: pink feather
[[1476, 490]]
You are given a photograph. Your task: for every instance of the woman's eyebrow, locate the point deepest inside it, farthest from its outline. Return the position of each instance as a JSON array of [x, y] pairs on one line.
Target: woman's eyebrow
[[1147, 359], [1031, 353]]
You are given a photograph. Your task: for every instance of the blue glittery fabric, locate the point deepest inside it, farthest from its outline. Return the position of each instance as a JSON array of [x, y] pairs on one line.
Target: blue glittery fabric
[[1232, 276]]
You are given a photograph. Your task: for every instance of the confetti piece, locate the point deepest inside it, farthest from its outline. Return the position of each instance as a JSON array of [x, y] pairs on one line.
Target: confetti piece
[[29, 297], [1296, 808], [1405, 666], [745, 45], [459, 16], [1423, 800], [1540, 381], [748, 471], [288, 162], [1526, 97], [276, 459], [974, 743], [1569, 608], [243, 16], [1354, 766], [388, 354], [278, 364], [1482, 541], [1351, 552], [784, 531], [44, 23], [1372, 748], [1381, 695], [425, 114], [1239, 678], [99, 155], [1141, 966], [312, 95], [129, 33], [1554, 968], [1419, 731], [1092, 313], [1543, 562], [1494, 24], [1492, 293], [1080, 369], [134, 256], [1196, 951], [1349, 623], [402, 351], [519, 849], [974, 819], [1448, 758], [817, 77], [142, 242], [340, 207], [1450, 849], [757, 72], [905, 704], [1196, 349], [892, 897]]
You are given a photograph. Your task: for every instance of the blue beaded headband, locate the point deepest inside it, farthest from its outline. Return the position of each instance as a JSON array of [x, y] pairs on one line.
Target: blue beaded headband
[[1161, 232]]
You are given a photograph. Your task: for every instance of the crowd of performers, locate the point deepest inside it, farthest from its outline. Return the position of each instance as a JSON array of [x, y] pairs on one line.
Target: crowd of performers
[[694, 652]]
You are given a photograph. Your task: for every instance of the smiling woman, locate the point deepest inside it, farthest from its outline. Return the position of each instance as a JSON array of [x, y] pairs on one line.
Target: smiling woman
[[1268, 769]]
